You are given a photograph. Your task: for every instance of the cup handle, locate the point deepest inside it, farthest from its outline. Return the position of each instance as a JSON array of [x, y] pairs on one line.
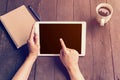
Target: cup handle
[[102, 22]]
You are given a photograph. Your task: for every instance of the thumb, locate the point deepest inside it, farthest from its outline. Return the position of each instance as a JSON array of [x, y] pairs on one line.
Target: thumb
[[36, 38]]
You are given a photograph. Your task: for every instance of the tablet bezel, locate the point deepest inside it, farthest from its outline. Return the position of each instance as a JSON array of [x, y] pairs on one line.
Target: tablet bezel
[[83, 41]]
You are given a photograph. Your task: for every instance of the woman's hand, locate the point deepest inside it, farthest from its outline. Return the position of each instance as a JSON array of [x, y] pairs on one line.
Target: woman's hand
[[34, 47], [33, 43], [69, 57]]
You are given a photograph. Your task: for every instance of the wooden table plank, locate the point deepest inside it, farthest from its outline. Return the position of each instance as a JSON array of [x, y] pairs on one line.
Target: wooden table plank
[[102, 56], [47, 10], [45, 68], [65, 10], [5, 71], [115, 36], [45, 65], [3, 6], [10, 64], [14, 4], [82, 13], [3, 10]]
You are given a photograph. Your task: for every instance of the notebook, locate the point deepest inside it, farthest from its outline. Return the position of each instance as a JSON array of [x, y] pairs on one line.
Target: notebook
[[18, 23]]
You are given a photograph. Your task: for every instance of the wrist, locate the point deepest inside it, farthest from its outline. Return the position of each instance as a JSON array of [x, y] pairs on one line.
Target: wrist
[[32, 56], [73, 68], [75, 73]]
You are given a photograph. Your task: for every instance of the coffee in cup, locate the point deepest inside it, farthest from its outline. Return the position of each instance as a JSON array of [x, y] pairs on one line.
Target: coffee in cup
[[104, 12]]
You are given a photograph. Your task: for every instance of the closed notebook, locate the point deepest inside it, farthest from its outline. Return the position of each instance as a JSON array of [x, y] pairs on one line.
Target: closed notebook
[[18, 23]]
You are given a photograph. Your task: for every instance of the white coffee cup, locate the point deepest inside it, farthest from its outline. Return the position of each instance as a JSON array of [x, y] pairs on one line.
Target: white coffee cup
[[104, 12]]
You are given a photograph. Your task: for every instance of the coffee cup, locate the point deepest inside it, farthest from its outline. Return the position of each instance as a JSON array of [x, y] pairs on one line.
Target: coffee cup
[[104, 12]]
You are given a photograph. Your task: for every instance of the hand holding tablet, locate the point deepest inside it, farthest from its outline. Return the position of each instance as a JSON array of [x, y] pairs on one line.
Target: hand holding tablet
[[33, 43]]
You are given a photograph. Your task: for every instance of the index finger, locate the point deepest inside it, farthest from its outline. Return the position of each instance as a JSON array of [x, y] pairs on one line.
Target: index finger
[[62, 44]]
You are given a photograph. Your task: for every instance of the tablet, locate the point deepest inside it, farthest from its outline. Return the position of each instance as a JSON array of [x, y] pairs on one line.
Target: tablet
[[73, 34]]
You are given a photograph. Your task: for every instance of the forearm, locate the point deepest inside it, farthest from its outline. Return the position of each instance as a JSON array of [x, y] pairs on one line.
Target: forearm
[[24, 71], [75, 73]]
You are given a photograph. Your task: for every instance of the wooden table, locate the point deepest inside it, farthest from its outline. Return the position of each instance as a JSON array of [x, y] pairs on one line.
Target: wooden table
[[102, 60]]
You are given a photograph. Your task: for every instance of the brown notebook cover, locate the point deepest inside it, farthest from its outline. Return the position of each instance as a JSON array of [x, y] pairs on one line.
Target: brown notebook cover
[[18, 24]]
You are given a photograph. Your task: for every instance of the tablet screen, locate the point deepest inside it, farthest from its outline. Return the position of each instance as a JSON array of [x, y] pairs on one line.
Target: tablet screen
[[51, 33]]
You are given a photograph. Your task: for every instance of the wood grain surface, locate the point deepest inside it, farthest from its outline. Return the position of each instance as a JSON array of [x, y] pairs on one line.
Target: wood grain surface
[[115, 37], [102, 45]]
